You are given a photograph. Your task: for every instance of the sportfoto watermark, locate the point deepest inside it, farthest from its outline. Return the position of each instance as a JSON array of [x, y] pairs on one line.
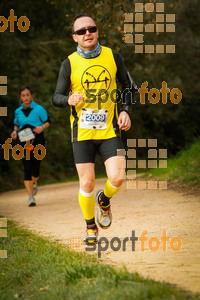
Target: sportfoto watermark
[[163, 91], [3, 92], [3, 233], [101, 96], [23, 22], [156, 158], [116, 244], [18, 150], [161, 23]]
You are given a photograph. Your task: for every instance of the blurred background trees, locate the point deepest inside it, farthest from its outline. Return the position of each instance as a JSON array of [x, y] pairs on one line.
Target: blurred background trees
[[34, 58]]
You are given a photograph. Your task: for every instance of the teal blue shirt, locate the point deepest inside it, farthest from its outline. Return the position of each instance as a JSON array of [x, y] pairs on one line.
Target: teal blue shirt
[[36, 117]]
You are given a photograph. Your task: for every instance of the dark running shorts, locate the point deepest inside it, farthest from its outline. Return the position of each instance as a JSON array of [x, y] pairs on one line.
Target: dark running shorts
[[85, 151], [31, 167]]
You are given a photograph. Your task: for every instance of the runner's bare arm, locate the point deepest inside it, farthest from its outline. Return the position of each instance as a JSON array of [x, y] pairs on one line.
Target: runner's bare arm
[[41, 128], [14, 133]]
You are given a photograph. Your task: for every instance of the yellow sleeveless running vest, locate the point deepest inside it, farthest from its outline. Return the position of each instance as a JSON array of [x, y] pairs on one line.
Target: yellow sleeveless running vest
[[95, 79]]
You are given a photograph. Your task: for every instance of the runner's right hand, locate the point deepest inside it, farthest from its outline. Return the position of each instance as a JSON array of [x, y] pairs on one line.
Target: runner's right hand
[[75, 98]]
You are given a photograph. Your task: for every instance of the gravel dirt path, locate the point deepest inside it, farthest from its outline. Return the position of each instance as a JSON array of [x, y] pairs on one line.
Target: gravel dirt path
[[58, 215]]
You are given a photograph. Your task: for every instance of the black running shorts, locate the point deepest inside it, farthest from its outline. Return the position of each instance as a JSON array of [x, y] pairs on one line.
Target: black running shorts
[[85, 151], [31, 167]]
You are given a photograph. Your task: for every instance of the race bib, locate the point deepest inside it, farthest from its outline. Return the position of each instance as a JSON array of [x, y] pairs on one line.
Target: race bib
[[26, 134], [93, 118]]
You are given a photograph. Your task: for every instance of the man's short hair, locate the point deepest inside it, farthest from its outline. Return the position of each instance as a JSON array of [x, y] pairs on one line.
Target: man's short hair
[[78, 17]]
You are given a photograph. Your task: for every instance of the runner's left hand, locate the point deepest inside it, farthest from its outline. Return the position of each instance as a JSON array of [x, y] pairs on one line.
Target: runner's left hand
[[124, 121], [38, 129]]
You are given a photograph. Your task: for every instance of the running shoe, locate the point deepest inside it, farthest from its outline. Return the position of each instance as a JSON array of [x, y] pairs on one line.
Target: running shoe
[[35, 188], [104, 216], [91, 236], [31, 201]]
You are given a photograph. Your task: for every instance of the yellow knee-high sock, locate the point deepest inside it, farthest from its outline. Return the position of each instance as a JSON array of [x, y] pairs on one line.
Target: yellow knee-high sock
[[111, 190], [87, 203]]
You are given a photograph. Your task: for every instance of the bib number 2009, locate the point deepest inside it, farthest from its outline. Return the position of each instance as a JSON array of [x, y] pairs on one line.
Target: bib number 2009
[[95, 118]]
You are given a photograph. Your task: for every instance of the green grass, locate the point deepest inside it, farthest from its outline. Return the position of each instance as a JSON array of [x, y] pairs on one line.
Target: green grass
[[37, 268], [183, 168]]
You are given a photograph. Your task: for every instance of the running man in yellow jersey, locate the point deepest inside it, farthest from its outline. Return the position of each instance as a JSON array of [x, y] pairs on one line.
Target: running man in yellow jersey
[[86, 82]]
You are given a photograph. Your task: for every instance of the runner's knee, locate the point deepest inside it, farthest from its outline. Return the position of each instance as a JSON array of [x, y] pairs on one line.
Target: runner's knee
[[116, 181], [87, 185]]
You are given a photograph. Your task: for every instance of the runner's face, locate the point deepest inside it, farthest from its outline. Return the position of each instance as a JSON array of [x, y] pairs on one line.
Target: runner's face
[[88, 41], [26, 97]]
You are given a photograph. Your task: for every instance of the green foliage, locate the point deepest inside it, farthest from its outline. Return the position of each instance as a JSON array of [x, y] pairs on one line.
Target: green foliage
[[184, 167], [41, 269], [34, 58]]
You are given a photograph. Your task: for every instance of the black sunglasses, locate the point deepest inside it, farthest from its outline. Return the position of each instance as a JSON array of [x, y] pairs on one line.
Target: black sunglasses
[[83, 31]]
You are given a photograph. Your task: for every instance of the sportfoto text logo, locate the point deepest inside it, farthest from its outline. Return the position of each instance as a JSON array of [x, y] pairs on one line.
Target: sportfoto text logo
[[101, 96], [23, 23], [116, 244], [18, 150]]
